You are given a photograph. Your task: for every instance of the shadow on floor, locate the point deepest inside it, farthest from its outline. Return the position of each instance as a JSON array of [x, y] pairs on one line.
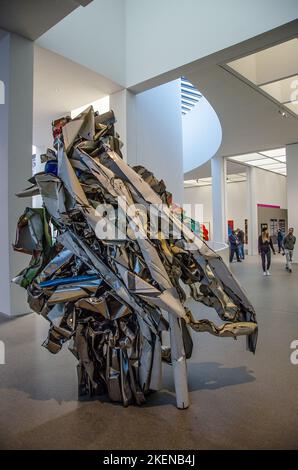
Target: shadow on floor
[[213, 375], [201, 376]]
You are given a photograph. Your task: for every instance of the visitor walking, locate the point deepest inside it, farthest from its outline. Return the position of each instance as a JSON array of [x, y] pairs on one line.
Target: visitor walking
[[240, 238], [289, 244], [265, 244], [234, 247], [280, 239]]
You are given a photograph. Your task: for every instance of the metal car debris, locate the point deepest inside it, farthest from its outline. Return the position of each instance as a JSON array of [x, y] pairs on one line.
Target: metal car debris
[[107, 276]]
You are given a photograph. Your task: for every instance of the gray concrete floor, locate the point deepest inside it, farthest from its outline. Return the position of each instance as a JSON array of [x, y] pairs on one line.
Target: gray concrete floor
[[238, 400]]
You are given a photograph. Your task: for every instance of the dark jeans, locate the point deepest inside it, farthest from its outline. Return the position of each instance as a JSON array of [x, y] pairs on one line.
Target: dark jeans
[[280, 246], [266, 256], [233, 250], [241, 250]]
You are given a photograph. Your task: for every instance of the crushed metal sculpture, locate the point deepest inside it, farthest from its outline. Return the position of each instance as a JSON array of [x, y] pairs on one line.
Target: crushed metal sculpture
[[112, 284]]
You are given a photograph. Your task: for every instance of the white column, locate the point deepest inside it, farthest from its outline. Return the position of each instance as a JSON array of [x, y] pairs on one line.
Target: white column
[[123, 104], [16, 72], [219, 200], [292, 191], [252, 212]]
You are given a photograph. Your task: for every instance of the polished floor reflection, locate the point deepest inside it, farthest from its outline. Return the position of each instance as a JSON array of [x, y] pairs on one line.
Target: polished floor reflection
[[238, 401]]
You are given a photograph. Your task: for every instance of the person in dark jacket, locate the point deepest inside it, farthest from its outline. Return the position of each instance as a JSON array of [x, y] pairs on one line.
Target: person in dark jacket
[[265, 244], [289, 244], [234, 247], [280, 238], [240, 237]]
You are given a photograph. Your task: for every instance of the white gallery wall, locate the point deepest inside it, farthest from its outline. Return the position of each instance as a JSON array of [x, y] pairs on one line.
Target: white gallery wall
[[93, 36], [201, 195], [271, 189], [236, 197], [157, 135], [164, 34], [237, 207]]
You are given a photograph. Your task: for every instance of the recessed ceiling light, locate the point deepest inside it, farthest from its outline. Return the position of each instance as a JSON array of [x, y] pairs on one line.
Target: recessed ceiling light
[[284, 90], [270, 160], [246, 157], [293, 106], [273, 71], [268, 65], [274, 153], [272, 166], [280, 172], [262, 161], [190, 181], [282, 159], [208, 178]]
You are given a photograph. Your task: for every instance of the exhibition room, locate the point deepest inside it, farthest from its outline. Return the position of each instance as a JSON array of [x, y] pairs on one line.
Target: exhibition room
[[149, 264]]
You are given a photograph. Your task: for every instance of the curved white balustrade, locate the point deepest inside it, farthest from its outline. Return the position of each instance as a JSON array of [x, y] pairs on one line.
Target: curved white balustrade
[[201, 128], [202, 135]]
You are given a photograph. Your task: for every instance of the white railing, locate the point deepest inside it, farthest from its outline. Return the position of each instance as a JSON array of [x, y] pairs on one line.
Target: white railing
[[189, 95]]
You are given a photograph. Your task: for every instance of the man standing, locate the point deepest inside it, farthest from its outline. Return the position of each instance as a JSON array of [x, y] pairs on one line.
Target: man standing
[[240, 237], [234, 247], [289, 243]]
